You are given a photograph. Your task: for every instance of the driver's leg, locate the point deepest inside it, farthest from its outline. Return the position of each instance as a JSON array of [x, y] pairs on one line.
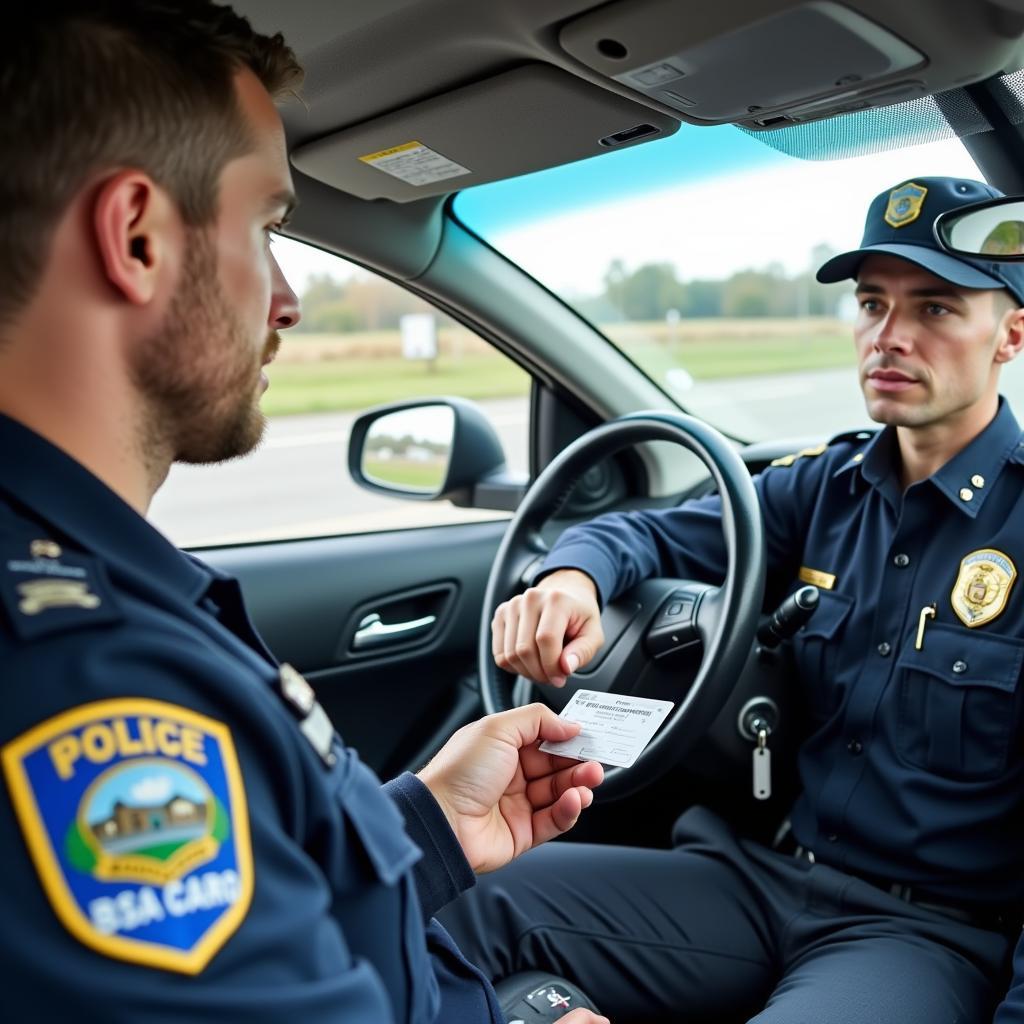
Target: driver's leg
[[854, 954], [648, 934], [895, 978]]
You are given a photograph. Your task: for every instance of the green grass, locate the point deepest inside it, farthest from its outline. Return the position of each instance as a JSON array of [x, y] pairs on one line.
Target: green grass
[[424, 476], [332, 385], [708, 359], [706, 349]]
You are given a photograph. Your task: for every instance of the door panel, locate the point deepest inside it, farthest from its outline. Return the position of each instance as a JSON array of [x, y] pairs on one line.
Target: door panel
[[393, 700]]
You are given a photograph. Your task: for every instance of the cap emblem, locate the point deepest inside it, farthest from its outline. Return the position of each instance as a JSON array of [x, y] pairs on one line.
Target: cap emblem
[[905, 204]]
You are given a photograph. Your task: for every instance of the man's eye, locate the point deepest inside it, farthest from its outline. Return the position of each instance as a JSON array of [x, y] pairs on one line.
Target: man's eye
[[869, 305], [934, 309]]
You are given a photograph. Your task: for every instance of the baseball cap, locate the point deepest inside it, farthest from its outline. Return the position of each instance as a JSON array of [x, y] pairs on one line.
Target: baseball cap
[[900, 223]]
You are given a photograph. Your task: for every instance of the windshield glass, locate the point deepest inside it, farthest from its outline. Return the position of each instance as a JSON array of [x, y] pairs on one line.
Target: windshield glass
[[696, 255]]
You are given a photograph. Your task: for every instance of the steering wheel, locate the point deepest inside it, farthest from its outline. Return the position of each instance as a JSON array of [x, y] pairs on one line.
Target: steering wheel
[[678, 640]]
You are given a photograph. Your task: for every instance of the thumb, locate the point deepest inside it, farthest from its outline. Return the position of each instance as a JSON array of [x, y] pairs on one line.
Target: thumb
[[577, 653]]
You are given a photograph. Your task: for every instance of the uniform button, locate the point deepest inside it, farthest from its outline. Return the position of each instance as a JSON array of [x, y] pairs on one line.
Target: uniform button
[[832, 837], [884, 649], [959, 667], [966, 493], [901, 561], [855, 747], [978, 480]]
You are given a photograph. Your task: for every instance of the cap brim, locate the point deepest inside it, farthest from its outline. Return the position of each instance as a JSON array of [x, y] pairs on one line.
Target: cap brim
[[949, 268]]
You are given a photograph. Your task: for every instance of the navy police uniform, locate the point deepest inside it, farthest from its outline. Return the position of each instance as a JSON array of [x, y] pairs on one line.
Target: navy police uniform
[[901, 893], [182, 833]]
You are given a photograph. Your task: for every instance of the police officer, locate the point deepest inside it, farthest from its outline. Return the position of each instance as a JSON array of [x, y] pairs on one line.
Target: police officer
[[897, 894], [183, 836]]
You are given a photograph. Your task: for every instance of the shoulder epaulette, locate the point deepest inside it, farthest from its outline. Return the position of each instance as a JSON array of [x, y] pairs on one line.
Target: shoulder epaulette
[[848, 436]]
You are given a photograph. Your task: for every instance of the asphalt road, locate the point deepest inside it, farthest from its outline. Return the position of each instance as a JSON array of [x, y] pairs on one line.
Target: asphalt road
[[297, 483]]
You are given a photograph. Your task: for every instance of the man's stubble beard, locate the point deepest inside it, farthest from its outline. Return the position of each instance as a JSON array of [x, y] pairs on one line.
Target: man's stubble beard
[[198, 374]]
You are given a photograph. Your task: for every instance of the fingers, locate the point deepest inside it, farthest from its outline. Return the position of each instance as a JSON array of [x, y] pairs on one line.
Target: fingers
[[546, 788], [582, 1016], [558, 817], [548, 632]]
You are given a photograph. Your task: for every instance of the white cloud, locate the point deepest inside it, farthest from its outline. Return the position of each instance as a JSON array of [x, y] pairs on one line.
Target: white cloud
[[153, 789]]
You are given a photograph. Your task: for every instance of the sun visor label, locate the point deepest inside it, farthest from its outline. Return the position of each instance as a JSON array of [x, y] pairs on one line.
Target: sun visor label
[[415, 164]]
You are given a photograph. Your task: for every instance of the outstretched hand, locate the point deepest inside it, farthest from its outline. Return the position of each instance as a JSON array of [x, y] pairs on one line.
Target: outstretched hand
[[500, 793], [551, 630]]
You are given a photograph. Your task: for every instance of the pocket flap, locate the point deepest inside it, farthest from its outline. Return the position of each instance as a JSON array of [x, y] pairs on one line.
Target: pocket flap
[[963, 657], [377, 822], [828, 616]]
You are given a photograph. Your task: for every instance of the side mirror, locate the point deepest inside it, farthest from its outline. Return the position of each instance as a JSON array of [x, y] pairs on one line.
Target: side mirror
[[429, 449], [993, 230]]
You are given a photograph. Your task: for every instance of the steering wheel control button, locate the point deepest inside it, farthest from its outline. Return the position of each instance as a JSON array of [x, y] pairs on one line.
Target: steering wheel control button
[[855, 747], [959, 667], [674, 628], [901, 561], [884, 649]]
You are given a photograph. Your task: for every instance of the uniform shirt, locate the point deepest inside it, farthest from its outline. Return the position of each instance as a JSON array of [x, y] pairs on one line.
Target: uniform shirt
[[183, 836], [914, 769]]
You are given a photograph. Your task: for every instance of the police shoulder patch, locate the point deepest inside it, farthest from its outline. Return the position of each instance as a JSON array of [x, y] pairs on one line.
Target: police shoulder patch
[[135, 817]]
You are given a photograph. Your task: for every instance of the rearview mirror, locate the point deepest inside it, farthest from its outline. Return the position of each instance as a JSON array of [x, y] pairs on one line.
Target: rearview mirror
[[992, 230]]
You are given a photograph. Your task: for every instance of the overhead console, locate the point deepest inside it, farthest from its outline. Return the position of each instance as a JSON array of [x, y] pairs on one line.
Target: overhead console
[[790, 63], [532, 117]]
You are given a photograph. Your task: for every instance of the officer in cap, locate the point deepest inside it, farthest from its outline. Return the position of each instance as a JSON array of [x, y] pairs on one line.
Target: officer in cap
[[896, 893], [183, 835]]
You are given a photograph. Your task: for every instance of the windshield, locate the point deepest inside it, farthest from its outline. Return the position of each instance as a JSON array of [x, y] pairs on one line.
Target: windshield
[[696, 255]]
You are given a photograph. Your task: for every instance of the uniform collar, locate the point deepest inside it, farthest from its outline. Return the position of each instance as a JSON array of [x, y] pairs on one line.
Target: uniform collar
[[966, 480], [64, 496]]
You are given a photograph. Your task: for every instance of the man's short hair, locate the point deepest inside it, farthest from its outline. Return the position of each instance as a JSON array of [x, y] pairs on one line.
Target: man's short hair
[[92, 85]]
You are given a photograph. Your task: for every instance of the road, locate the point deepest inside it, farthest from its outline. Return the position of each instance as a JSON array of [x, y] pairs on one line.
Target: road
[[297, 483]]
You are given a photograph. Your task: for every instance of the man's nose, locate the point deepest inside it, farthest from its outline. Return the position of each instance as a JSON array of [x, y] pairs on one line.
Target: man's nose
[[284, 303], [892, 334]]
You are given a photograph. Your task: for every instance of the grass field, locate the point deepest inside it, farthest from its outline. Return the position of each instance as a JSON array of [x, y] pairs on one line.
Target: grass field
[[321, 373]]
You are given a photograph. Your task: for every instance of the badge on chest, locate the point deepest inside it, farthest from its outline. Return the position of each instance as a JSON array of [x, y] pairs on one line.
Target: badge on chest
[[983, 586]]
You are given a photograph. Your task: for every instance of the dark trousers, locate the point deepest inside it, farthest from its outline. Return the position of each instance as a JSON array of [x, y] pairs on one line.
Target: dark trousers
[[725, 930]]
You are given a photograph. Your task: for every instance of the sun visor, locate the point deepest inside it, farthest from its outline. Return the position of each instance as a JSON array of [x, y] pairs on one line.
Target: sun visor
[[523, 120], [810, 57]]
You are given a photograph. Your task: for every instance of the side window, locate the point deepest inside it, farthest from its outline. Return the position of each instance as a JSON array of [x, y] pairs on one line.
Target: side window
[[362, 341]]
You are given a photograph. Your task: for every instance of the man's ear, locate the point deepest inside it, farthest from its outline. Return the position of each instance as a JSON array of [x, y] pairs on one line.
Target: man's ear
[[137, 230], [1011, 335]]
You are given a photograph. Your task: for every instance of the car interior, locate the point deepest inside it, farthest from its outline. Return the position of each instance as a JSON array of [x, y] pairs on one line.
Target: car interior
[[410, 105]]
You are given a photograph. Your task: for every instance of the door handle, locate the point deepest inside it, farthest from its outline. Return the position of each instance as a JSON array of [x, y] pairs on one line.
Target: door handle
[[373, 633]]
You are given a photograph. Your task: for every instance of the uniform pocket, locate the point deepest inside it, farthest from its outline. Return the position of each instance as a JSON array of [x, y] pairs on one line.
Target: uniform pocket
[[958, 704], [815, 648], [377, 823]]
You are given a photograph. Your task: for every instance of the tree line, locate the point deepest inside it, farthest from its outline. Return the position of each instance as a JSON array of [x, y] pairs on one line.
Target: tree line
[[650, 292]]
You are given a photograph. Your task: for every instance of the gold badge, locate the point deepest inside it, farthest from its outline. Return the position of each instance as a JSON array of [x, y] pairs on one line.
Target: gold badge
[[905, 205], [817, 578], [38, 595], [983, 586], [44, 549]]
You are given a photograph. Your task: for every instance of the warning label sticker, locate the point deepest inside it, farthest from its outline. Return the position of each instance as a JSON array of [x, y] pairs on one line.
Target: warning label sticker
[[415, 164]]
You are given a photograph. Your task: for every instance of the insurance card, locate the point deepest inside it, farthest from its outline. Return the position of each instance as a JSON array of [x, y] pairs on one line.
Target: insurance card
[[616, 727]]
